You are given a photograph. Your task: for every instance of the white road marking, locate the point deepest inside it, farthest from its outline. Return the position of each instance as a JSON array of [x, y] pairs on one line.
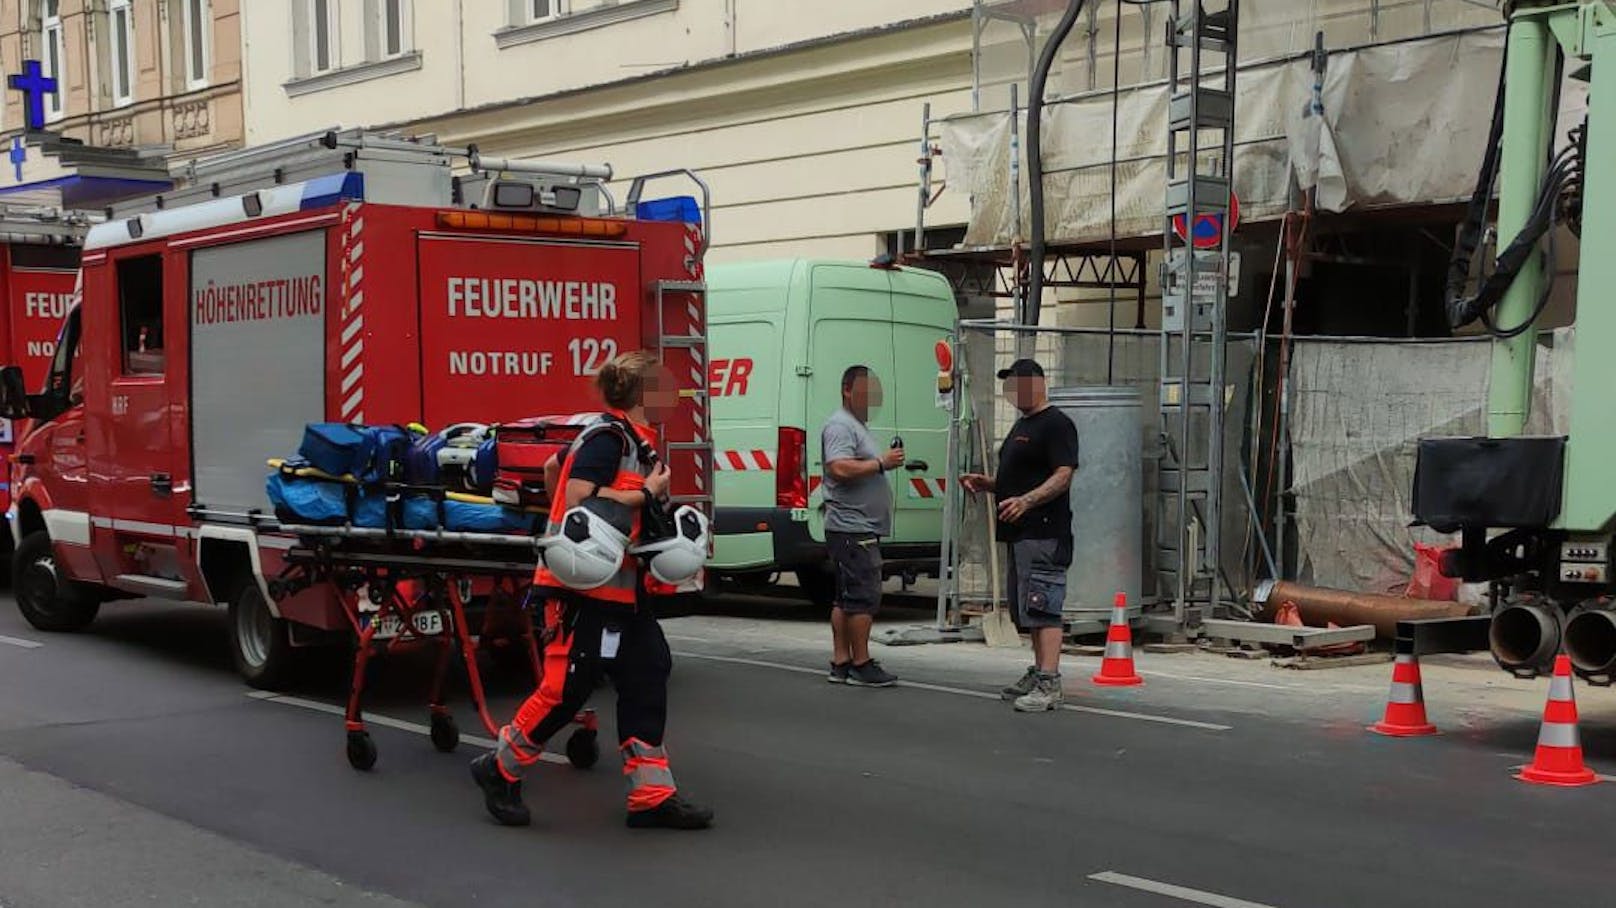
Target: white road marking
[[1237, 683], [976, 694], [18, 641], [384, 721], [1181, 893]]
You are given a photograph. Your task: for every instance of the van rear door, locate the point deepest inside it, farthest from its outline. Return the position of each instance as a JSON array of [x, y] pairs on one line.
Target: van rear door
[[923, 314], [851, 324]]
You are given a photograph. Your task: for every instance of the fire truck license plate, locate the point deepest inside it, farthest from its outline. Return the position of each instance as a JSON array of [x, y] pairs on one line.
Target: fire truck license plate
[[429, 624]]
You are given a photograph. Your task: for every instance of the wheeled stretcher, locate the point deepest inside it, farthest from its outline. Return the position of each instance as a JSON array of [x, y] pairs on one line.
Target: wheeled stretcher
[[417, 587]]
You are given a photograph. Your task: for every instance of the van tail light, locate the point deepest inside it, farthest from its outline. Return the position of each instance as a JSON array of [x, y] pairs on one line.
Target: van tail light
[[791, 469]]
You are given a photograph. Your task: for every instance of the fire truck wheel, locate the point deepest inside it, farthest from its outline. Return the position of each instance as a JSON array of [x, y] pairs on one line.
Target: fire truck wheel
[[259, 643], [819, 585], [48, 600]]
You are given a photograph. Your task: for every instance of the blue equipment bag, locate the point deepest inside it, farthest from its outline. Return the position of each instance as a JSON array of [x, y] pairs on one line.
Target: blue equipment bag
[[374, 510], [383, 454], [307, 501], [466, 517], [333, 447]]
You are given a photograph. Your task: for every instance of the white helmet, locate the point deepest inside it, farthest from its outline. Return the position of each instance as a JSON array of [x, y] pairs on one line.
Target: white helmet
[[678, 558], [588, 550]]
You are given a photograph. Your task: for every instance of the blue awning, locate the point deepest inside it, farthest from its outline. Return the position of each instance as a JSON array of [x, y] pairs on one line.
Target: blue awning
[[78, 191]]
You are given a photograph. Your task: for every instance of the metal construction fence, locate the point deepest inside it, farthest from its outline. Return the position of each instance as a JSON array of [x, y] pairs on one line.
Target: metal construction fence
[[1326, 495]]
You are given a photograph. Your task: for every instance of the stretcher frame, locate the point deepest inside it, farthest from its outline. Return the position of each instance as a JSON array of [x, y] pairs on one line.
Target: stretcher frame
[[403, 574]]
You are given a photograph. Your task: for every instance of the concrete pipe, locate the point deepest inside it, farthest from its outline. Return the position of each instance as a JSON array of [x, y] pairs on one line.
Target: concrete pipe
[[1319, 607], [1524, 638], [1590, 641]]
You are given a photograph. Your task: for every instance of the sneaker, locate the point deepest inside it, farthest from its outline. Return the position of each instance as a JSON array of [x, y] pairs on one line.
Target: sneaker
[[1045, 695], [502, 798], [870, 674], [1023, 687], [838, 672], [674, 813]]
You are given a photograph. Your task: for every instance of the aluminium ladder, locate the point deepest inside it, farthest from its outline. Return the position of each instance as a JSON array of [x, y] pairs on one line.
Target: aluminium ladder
[[1193, 399]]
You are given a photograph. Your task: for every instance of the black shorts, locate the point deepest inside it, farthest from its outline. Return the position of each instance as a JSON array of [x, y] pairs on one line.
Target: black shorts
[[856, 558], [1037, 581]]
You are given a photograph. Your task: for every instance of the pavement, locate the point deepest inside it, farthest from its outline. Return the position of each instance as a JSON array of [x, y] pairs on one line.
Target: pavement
[[135, 769]]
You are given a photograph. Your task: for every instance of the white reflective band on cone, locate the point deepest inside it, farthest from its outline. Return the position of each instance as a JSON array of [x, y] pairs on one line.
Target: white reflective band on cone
[[1560, 688], [1558, 734], [1116, 650], [1406, 693]]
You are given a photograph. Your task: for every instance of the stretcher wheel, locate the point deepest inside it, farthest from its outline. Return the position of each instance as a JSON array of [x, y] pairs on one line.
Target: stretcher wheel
[[583, 748], [445, 733], [361, 750]]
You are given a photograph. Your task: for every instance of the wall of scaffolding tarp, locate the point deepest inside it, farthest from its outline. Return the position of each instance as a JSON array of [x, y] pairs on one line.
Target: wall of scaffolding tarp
[[1403, 124], [1359, 410]]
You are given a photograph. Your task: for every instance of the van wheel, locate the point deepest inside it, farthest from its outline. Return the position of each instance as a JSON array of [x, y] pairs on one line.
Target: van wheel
[[48, 600], [260, 645], [819, 585]]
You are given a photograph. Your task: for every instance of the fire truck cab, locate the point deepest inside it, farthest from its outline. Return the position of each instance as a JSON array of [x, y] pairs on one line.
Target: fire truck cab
[[347, 277]]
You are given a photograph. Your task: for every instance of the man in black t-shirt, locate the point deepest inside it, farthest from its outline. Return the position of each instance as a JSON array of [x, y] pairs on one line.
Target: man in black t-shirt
[[1036, 464]]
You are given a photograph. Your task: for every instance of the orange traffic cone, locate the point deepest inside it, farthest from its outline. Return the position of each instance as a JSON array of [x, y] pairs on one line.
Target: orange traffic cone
[[1558, 760], [1405, 708], [1116, 669]]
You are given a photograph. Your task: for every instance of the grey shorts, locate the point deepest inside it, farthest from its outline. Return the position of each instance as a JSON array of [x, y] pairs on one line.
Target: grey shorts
[[1036, 581], [856, 558]]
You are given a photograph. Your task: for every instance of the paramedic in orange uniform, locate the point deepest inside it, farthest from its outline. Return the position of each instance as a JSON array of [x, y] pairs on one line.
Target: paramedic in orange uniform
[[610, 630]]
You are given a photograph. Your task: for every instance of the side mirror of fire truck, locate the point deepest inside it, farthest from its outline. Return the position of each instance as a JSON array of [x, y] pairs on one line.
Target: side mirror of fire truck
[[13, 394]]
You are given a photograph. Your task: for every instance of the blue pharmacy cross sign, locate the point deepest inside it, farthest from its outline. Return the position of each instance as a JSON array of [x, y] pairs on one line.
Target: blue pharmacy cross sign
[[19, 154], [34, 85]]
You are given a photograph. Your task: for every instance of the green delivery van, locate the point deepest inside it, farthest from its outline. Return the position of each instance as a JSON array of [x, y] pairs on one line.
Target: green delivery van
[[781, 334]]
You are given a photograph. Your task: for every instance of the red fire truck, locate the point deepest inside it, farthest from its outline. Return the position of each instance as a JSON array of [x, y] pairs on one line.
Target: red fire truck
[[345, 278], [39, 260]]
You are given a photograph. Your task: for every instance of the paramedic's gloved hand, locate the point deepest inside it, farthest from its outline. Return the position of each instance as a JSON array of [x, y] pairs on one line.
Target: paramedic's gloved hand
[[657, 483], [892, 459]]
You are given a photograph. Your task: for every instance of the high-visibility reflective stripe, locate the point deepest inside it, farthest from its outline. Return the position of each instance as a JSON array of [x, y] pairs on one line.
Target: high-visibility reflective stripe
[[1119, 616], [1116, 650], [515, 752], [1560, 688], [1554, 734], [1407, 693], [650, 774]]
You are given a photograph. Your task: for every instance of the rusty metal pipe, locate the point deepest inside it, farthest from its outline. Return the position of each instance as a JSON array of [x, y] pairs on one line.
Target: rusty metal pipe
[[1318, 607]]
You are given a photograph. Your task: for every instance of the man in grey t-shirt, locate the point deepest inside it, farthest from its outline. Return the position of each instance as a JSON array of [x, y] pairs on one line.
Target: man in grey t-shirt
[[858, 512]]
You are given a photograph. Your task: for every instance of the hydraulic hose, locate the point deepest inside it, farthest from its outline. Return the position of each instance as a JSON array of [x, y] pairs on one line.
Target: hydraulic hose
[[1035, 160]]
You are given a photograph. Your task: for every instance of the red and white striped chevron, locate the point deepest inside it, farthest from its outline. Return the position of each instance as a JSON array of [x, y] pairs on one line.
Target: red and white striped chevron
[[352, 341], [754, 461], [920, 487]]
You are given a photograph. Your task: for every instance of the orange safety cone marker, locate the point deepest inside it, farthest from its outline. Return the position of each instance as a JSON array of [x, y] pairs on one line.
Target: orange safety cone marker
[[1116, 669], [1405, 708], [1558, 760]]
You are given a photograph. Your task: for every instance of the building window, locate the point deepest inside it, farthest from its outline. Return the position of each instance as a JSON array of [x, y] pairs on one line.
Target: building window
[[54, 51], [197, 21], [544, 9], [387, 29], [122, 18], [320, 31]]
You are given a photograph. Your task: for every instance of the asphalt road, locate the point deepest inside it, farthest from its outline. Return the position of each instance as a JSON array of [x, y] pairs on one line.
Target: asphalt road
[[136, 770]]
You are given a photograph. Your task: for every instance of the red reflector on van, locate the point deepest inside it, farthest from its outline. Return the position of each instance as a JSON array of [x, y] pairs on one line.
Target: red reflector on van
[[791, 469]]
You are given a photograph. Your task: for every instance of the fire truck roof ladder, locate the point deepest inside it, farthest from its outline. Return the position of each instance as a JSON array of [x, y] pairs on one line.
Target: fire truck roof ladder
[[396, 170]]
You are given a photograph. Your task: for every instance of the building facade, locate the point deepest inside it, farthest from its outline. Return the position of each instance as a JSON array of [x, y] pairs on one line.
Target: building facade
[[804, 118], [163, 75]]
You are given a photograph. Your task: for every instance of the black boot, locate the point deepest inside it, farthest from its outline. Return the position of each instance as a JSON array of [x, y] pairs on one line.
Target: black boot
[[674, 813], [502, 798]]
